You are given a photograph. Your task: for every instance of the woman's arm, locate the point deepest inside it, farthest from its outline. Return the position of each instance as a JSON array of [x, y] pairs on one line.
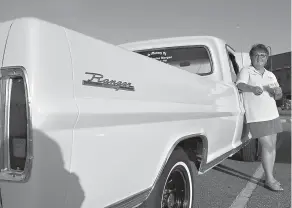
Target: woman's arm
[[274, 89], [244, 87], [242, 83], [275, 92], [248, 88]]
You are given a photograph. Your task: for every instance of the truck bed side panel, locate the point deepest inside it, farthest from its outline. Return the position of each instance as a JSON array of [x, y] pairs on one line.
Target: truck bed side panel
[[123, 137]]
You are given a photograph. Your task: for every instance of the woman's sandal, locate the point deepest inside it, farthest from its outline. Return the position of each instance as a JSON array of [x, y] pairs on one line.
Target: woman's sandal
[[275, 186], [277, 182]]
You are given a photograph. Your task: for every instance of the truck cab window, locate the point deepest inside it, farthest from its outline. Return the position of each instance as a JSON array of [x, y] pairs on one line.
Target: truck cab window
[[234, 68], [194, 59]]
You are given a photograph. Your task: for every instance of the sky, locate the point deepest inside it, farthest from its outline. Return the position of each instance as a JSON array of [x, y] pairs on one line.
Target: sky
[[241, 23]]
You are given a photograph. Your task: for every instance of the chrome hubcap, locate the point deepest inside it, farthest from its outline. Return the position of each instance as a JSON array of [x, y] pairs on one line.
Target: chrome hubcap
[[176, 193]]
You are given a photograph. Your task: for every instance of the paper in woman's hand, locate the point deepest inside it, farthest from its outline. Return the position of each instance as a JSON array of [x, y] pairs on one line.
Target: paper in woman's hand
[[274, 90], [269, 89], [278, 93]]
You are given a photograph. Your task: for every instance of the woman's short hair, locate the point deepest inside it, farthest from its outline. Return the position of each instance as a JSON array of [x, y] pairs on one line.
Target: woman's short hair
[[258, 47]]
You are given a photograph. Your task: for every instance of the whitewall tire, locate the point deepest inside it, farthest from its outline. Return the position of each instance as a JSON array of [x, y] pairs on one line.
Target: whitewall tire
[[175, 186]]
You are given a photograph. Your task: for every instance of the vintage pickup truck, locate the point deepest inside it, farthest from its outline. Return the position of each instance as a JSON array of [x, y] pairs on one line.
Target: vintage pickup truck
[[88, 124], [180, 52]]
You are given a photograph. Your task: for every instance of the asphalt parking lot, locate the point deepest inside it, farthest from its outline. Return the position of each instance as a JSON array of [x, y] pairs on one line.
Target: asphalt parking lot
[[239, 184]]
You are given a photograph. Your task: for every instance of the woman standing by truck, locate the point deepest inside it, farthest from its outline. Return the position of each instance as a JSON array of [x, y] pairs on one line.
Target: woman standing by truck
[[260, 90]]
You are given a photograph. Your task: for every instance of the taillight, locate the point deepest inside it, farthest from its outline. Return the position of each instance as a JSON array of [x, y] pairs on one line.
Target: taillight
[[15, 141], [17, 125]]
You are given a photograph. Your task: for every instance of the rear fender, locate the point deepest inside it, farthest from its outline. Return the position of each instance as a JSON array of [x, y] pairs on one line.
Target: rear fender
[[195, 145]]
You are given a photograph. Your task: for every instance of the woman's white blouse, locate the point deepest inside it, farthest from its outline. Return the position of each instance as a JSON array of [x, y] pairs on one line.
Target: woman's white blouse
[[258, 107]]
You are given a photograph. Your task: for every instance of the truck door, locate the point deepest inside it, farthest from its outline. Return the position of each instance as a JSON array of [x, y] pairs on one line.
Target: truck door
[[240, 134]]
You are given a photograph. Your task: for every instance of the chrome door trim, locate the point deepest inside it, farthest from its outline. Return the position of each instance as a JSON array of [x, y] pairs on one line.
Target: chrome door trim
[[132, 201]]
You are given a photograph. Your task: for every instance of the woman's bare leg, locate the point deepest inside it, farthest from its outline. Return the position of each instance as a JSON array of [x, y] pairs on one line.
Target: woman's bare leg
[[274, 140], [268, 144]]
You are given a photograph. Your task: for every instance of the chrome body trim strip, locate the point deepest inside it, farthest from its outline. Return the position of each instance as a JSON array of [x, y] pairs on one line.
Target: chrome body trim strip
[[6, 111], [131, 201], [204, 167], [6, 173]]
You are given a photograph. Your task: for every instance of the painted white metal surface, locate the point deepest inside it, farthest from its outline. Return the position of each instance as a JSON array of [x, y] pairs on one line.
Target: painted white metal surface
[[129, 131], [218, 56], [43, 50], [4, 30], [95, 146]]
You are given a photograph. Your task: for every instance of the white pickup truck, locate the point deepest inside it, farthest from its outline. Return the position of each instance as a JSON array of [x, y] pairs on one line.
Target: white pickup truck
[[188, 53], [88, 124]]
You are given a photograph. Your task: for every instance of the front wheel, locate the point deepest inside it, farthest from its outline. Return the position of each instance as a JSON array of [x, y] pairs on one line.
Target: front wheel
[[175, 187]]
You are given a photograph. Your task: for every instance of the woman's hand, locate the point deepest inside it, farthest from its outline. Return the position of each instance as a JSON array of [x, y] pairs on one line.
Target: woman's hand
[[275, 92], [278, 93], [257, 90], [270, 90]]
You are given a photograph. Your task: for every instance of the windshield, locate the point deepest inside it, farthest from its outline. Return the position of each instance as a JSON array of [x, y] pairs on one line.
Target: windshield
[[195, 60]]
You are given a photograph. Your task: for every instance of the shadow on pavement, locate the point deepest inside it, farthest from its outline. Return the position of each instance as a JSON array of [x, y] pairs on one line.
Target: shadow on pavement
[[238, 174], [283, 154]]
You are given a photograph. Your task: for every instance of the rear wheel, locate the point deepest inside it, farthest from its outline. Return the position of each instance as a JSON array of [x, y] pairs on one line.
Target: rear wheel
[[175, 187]]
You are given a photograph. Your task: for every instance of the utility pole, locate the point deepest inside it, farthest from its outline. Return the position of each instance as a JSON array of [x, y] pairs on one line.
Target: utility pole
[[238, 28]]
